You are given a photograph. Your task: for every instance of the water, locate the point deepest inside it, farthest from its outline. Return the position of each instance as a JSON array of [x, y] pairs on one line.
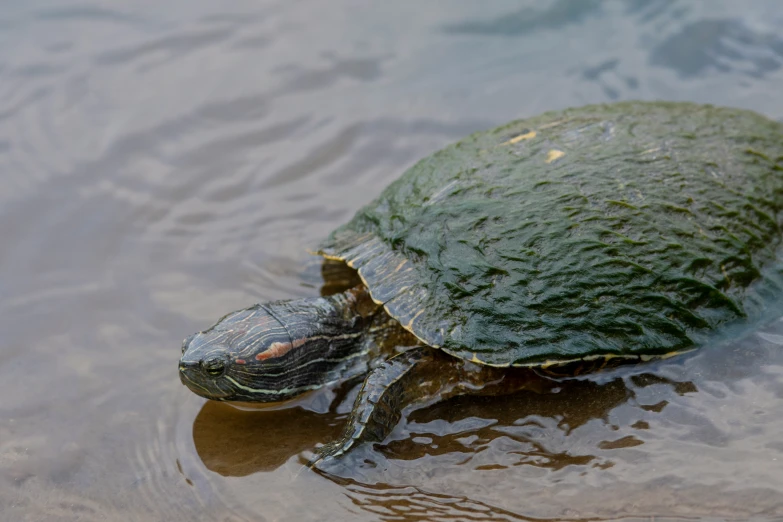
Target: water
[[162, 164]]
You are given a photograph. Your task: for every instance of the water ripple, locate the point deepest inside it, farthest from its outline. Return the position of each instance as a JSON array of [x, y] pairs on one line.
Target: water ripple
[[723, 45]]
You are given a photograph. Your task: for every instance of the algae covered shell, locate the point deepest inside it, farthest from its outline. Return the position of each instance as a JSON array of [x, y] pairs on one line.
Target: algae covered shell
[[630, 230]]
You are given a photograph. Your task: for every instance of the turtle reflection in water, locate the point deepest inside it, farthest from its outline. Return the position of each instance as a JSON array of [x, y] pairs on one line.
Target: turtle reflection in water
[[592, 236]]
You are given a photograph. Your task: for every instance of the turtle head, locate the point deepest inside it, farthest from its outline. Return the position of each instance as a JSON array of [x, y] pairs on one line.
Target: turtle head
[[272, 352]]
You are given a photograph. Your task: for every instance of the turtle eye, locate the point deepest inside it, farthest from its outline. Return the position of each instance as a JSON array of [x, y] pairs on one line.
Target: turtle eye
[[214, 366]]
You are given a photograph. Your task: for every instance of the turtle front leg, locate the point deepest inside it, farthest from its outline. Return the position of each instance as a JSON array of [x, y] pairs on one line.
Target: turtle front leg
[[418, 376], [378, 406]]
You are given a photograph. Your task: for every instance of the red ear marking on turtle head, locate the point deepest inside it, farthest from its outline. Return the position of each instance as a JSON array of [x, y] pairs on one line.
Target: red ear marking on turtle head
[[277, 349]]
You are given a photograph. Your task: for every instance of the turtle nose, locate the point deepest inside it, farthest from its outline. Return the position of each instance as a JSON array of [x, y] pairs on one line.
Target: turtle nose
[[187, 370], [188, 365]]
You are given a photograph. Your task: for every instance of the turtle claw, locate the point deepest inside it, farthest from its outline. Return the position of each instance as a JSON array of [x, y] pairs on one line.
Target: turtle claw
[[355, 433], [326, 457], [312, 459], [328, 453]]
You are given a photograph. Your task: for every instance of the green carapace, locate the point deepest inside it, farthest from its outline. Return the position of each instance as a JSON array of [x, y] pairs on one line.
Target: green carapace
[[565, 242]]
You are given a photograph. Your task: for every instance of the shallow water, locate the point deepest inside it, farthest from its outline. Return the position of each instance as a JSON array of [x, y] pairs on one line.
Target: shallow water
[[162, 164]]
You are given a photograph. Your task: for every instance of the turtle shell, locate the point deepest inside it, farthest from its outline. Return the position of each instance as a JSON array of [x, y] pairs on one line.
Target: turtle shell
[[629, 230]]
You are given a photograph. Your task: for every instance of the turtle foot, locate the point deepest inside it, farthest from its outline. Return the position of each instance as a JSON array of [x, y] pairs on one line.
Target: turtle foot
[[378, 407]]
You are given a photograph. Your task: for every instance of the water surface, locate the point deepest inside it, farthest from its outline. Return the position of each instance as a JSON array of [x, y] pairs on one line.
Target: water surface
[[162, 164]]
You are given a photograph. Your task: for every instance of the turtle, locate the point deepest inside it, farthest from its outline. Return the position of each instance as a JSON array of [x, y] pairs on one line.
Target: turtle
[[565, 243]]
